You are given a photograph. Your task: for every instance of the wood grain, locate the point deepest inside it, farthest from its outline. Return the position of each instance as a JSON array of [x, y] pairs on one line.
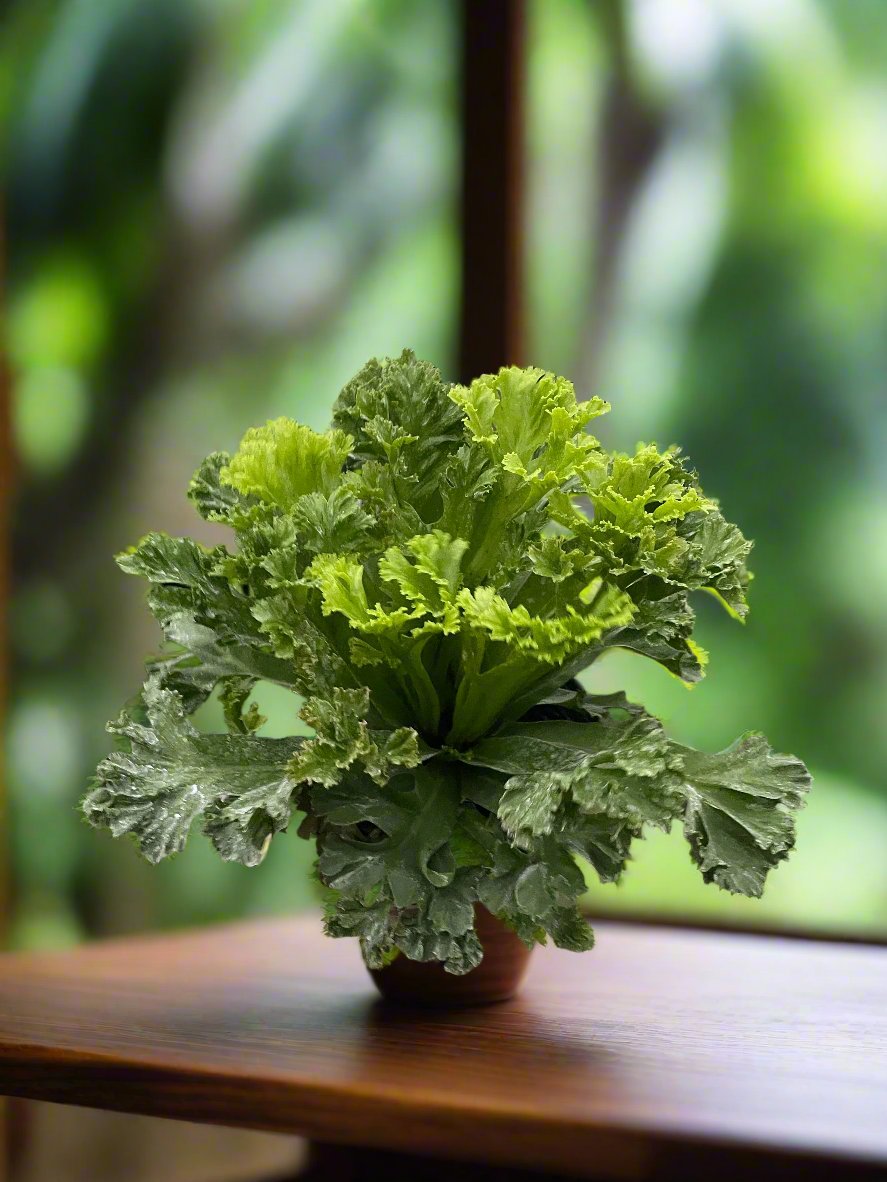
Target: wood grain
[[659, 1050]]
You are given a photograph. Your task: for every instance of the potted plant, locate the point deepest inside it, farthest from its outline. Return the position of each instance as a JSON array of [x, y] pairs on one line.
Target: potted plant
[[428, 578]]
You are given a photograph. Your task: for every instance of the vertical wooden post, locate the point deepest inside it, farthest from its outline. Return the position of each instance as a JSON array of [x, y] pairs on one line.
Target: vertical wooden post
[[491, 318]]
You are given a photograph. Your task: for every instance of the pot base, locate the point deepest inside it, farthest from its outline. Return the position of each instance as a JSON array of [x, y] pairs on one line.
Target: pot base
[[497, 978]]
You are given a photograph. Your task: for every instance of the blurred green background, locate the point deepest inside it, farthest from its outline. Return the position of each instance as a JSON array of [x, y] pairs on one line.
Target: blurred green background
[[218, 209]]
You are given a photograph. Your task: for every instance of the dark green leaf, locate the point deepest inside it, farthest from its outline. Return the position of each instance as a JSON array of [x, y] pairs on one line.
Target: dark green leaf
[[740, 810], [168, 774]]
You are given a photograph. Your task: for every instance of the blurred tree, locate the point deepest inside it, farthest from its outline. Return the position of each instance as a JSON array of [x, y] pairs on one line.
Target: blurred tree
[[737, 303], [199, 217]]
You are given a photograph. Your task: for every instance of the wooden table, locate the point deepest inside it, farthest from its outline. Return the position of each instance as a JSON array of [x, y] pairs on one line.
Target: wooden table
[[662, 1054]]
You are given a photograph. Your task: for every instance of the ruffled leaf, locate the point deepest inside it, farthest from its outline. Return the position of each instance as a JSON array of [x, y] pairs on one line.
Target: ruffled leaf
[[404, 428], [531, 423], [212, 632], [283, 461], [340, 580], [214, 500], [167, 775], [740, 812], [623, 769], [389, 838], [547, 639], [331, 523], [343, 738]]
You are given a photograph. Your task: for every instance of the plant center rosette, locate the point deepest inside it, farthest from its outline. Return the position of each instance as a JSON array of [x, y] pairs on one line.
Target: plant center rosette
[[428, 578]]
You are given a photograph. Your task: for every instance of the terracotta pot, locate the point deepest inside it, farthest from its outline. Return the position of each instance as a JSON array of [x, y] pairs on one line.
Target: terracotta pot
[[497, 977]]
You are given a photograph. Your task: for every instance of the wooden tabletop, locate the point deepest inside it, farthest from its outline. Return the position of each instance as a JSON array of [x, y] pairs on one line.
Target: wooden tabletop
[[659, 1051]]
